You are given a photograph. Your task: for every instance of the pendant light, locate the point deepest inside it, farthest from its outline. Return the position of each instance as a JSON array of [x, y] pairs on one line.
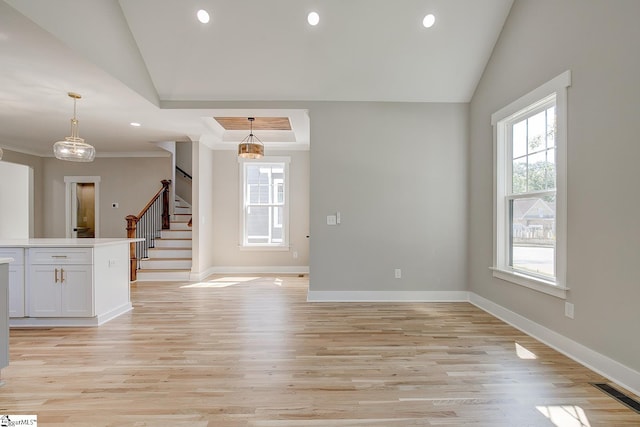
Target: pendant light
[[73, 148], [251, 147]]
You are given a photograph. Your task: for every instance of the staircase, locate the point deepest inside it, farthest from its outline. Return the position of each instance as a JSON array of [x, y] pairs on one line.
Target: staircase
[[170, 258]]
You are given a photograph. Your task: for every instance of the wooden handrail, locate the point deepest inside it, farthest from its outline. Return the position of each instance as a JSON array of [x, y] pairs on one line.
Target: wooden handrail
[[132, 222], [164, 189]]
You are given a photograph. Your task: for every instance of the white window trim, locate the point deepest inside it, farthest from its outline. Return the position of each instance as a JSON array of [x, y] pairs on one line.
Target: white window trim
[[264, 246], [531, 100]]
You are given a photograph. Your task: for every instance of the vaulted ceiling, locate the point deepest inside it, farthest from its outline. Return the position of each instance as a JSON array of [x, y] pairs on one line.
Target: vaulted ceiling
[[152, 62]]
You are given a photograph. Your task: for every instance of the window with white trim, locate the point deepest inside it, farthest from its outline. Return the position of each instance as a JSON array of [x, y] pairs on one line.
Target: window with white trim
[[265, 202], [530, 189]]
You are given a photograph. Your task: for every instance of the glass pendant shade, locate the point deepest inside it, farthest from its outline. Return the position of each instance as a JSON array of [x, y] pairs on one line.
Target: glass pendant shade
[[73, 148], [251, 147]]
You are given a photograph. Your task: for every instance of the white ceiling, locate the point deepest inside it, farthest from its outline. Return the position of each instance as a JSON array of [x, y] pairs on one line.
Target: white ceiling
[[152, 62]]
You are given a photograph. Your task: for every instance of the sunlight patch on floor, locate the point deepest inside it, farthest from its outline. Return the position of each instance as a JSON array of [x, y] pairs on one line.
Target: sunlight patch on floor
[[565, 415], [523, 353], [222, 282]]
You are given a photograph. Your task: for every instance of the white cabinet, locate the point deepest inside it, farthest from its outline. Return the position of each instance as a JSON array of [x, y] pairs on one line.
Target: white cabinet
[[58, 286], [67, 282], [16, 280], [60, 291]]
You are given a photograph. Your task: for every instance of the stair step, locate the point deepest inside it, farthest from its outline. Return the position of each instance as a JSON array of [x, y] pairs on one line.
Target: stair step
[[169, 252], [155, 275], [165, 263], [182, 210], [179, 225], [181, 218], [173, 243], [175, 234]]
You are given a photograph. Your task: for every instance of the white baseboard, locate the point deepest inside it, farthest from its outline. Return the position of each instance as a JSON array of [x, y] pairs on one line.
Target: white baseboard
[[286, 269], [387, 296], [73, 322], [603, 365]]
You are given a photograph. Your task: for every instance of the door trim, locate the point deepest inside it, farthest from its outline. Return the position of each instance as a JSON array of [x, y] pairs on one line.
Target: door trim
[[73, 180]]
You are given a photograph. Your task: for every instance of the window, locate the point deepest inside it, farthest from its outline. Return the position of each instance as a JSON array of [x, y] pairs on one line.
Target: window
[[530, 189], [265, 203]]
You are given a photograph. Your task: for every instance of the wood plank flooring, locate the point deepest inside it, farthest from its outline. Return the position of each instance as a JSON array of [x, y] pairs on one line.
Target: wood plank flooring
[[252, 352]]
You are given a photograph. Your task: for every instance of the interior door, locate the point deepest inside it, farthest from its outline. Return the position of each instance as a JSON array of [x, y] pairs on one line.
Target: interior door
[[83, 215], [82, 211]]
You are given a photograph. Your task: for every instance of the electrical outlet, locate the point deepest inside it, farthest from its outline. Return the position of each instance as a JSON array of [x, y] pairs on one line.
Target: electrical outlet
[[568, 310], [331, 220], [295, 254], [398, 273]]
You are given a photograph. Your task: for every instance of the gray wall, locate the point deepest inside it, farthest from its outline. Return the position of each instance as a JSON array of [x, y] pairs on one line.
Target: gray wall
[[397, 172], [598, 42], [131, 182]]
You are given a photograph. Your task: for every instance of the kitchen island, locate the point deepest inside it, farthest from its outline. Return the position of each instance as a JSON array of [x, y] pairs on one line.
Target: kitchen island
[[67, 282]]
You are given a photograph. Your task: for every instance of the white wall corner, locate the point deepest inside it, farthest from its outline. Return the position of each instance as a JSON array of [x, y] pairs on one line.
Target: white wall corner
[[603, 365]]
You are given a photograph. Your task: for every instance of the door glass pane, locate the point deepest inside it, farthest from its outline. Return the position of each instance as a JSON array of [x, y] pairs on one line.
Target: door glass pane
[[85, 210]]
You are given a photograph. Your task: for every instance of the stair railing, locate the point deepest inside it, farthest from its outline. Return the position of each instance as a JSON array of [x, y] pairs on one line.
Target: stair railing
[[147, 225]]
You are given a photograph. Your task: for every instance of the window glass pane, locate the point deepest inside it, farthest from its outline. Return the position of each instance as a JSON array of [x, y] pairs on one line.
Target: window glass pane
[[550, 173], [533, 235], [257, 224], [551, 127], [537, 168], [536, 132], [519, 179], [519, 138], [265, 203]]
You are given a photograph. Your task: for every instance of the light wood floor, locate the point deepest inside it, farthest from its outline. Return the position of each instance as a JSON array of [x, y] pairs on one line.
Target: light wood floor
[[255, 353]]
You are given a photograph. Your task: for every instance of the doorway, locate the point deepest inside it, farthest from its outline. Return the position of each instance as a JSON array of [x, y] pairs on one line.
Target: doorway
[[82, 206]]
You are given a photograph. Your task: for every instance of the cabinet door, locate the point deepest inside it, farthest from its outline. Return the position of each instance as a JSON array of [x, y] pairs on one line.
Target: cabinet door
[[44, 291], [76, 291], [16, 290]]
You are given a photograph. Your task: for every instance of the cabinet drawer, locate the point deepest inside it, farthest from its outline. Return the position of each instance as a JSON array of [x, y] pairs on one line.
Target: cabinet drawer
[[60, 256], [16, 253]]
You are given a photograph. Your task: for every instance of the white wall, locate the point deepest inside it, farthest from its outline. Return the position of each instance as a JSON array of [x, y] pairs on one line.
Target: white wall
[[35, 163], [16, 201], [226, 215], [203, 210], [598, 41], [397, 172]]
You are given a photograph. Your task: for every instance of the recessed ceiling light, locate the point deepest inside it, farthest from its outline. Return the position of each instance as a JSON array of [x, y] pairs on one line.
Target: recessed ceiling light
[[429, 20], [135, 124], [203, 16], [313, 18]]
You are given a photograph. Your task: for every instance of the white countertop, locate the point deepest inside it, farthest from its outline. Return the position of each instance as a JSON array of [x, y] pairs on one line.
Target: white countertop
[[5, 260], [63, 243]]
